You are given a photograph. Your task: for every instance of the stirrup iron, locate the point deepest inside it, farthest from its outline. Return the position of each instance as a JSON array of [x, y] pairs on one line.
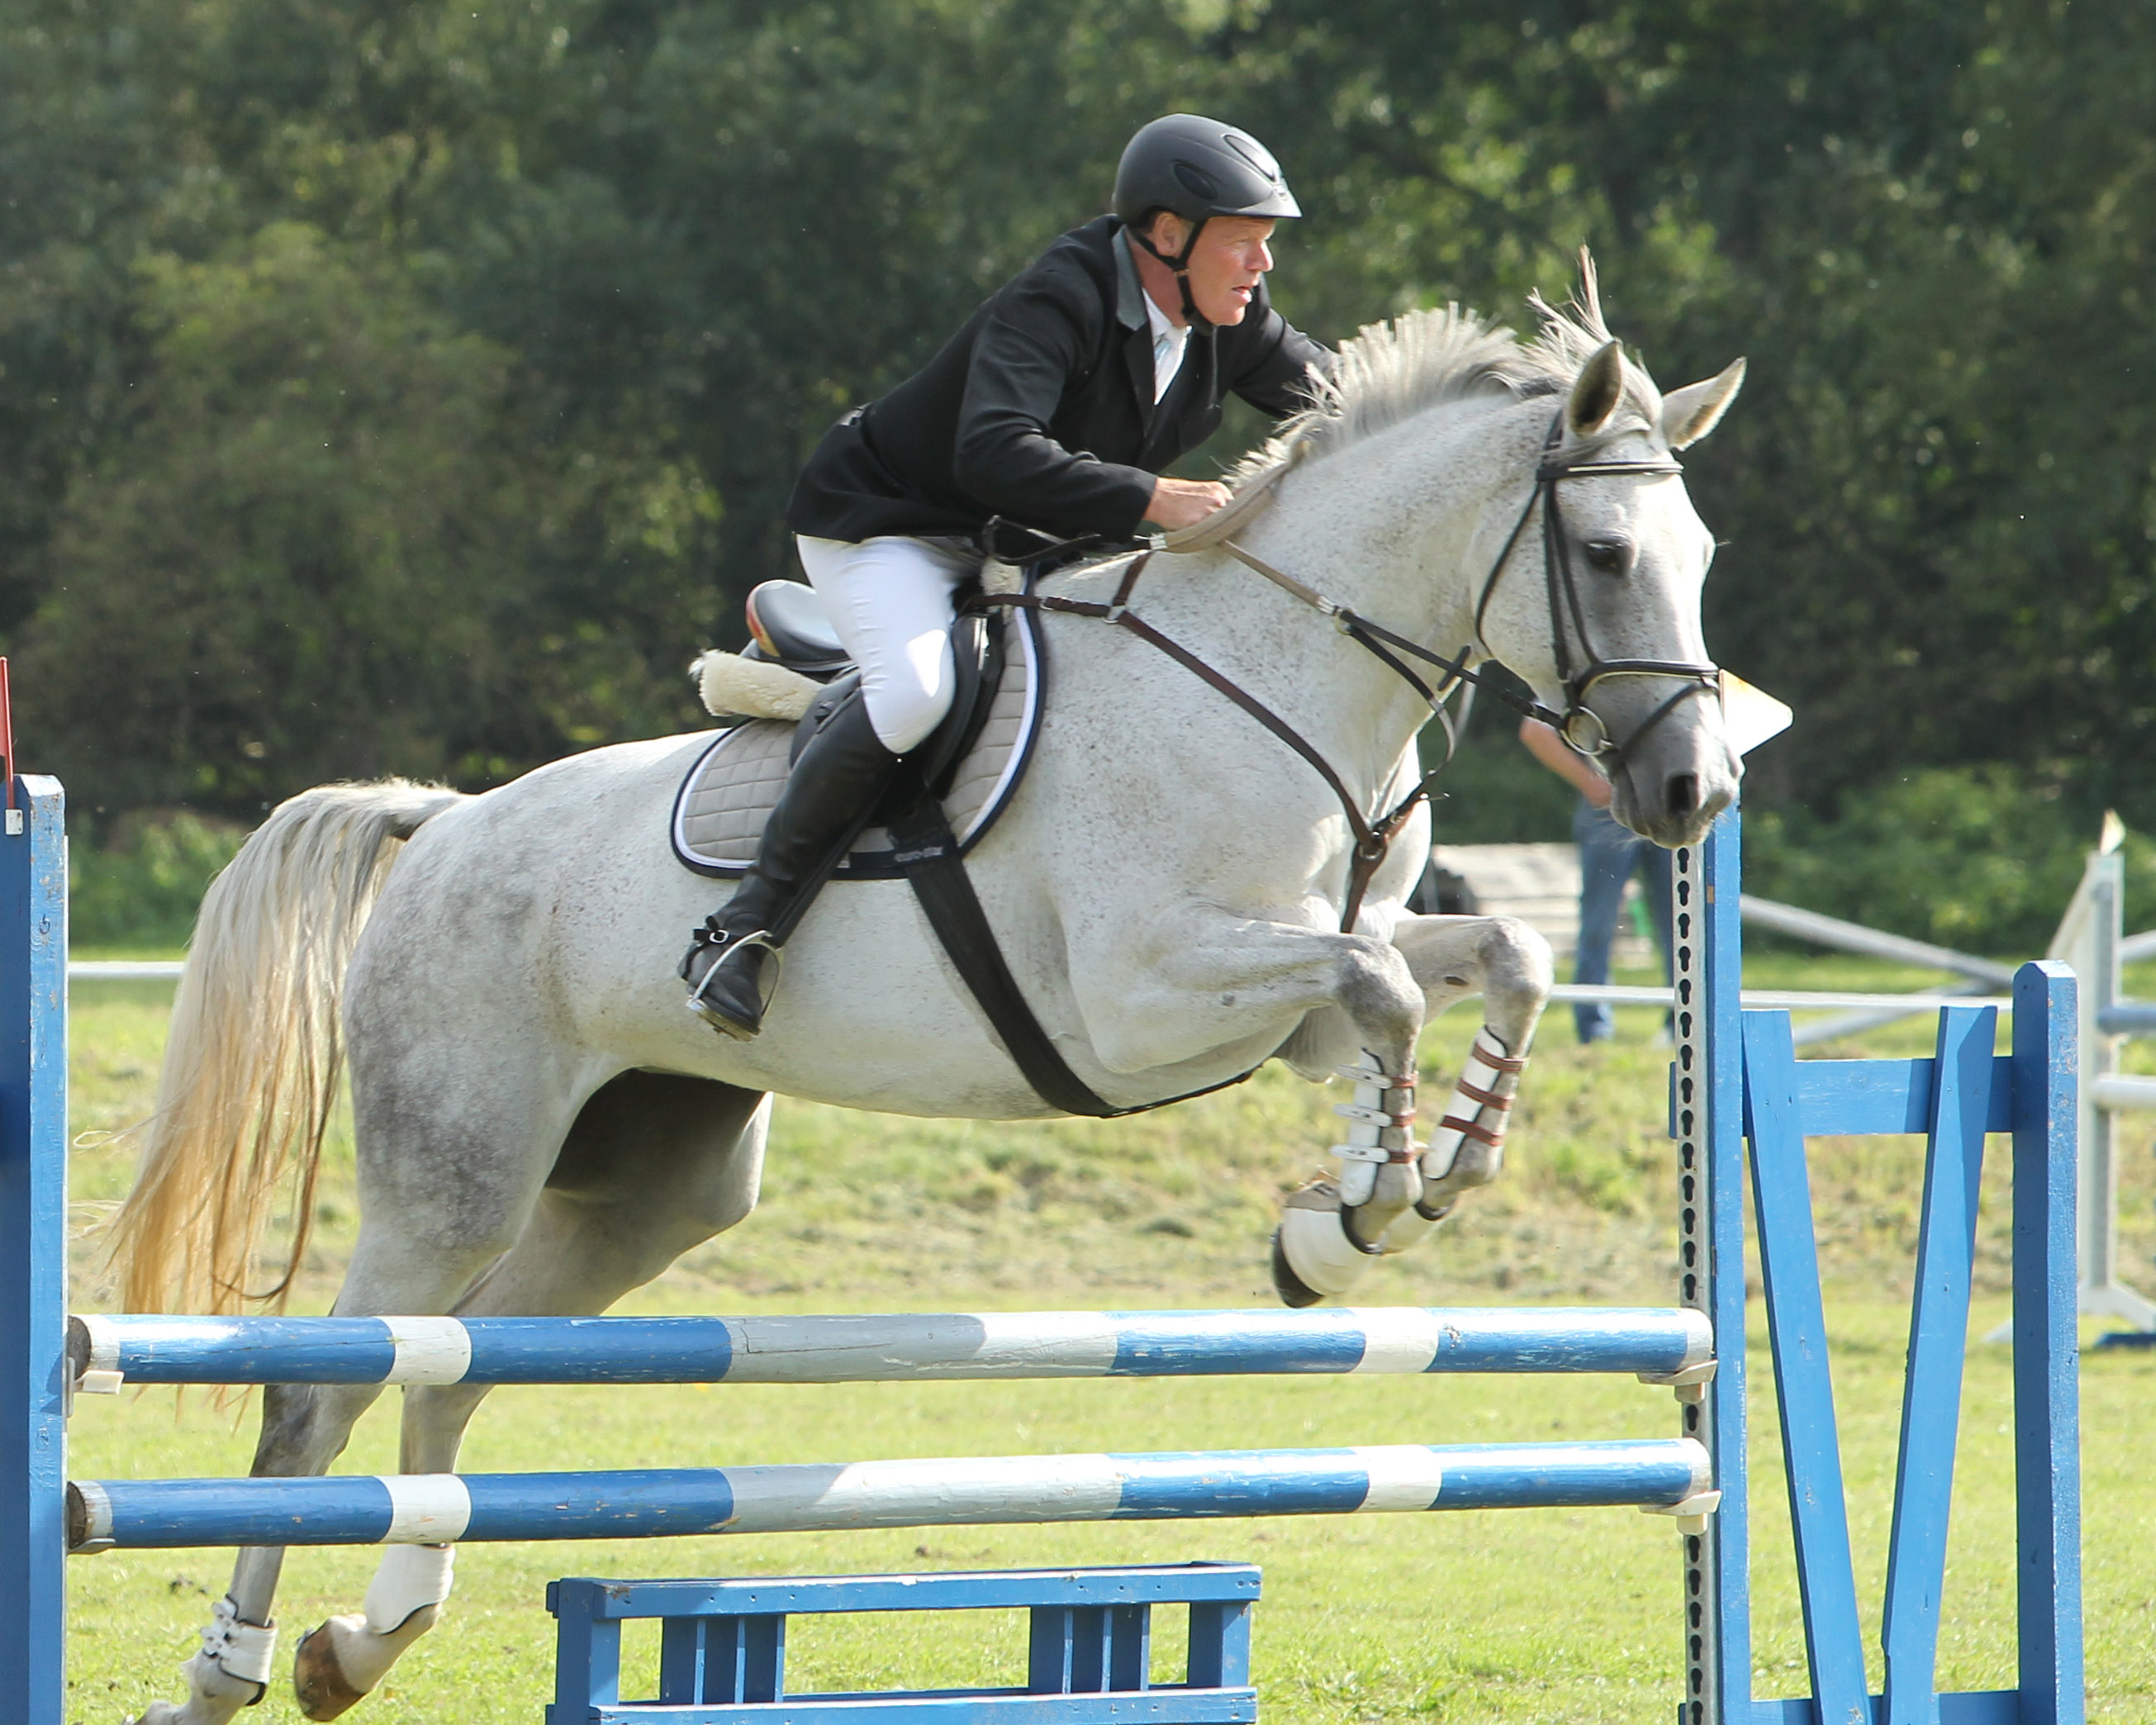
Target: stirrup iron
[[726, 946]]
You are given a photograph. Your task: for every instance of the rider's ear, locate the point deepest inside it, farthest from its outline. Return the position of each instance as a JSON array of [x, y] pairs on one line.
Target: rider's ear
[[1689, 413], [1596, 396]]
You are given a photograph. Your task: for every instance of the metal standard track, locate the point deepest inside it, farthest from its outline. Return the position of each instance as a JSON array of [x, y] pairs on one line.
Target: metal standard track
[[428, 1509], [1654, 1343]]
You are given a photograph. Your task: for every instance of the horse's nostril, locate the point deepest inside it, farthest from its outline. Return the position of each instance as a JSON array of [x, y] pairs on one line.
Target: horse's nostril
[[1683, 794]]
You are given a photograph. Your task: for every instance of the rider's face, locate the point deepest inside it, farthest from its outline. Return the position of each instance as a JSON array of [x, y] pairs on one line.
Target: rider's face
[[1232, 254]]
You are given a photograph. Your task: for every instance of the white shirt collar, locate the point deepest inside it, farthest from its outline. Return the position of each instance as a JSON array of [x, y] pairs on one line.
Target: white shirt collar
[[1170, 341]]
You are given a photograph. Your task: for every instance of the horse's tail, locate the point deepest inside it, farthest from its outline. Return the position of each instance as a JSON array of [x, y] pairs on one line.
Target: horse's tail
[[255, 1049]]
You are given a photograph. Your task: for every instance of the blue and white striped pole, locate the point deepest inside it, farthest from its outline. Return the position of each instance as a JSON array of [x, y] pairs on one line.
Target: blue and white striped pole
[[1653, 1342], [433, 1509]]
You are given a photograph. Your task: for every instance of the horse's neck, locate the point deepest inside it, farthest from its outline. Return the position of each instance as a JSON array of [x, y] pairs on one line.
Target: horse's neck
[[1389, 529]]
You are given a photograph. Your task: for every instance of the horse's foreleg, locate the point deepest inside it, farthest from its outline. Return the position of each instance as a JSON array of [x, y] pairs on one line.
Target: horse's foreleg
[[1205, 977], [1389, 1192], [1509, 964]]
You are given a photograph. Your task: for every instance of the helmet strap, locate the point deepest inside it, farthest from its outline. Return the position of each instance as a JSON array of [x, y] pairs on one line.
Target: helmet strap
[[1180, 263]]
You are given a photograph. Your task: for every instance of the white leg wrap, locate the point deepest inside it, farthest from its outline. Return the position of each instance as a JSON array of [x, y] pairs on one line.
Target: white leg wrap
[[240, 1652], [1479, 1106], [409, 1578], [1481, 1102], [1379, 1120], [1377, 1163]]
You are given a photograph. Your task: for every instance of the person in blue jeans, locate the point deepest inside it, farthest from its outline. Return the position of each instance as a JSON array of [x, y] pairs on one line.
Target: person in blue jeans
[[1609, 855]]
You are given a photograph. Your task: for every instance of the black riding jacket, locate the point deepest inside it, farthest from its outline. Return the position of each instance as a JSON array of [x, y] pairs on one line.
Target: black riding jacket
[[1041, 408]]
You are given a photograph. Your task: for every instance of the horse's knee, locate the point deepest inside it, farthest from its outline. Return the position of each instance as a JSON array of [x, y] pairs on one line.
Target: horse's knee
[[1517, 970], [1377, 989], [1514, 955]]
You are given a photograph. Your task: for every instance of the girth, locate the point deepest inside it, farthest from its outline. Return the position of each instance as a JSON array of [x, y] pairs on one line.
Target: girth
[[928, 853]]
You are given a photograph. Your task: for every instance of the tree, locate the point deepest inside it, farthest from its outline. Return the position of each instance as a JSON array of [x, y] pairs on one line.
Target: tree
[[318, 555]]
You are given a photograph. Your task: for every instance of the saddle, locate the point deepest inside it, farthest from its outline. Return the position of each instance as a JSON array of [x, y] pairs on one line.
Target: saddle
[[970, 766]]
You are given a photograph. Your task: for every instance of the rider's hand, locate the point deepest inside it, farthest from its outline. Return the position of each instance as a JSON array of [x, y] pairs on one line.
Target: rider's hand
[[1183, 503]]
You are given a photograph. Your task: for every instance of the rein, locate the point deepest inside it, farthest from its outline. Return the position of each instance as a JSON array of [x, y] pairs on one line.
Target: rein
[[1372, 839], [1373, 836]]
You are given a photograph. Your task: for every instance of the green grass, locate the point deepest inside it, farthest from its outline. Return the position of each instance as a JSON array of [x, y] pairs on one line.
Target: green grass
[[1526, 1614]]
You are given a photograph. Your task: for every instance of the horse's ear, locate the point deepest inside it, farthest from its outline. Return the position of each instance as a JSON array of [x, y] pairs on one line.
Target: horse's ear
[[1596, 396], [1689, 413]]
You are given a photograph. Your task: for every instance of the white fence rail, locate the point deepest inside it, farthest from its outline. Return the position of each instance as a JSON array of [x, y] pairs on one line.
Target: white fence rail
[[123, 970], [2091, 939]]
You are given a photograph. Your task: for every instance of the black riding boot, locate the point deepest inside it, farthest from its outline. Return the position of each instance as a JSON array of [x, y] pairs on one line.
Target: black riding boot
[[833, 786]]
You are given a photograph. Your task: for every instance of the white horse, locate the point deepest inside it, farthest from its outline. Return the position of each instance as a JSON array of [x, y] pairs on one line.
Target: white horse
[[542, 1126]]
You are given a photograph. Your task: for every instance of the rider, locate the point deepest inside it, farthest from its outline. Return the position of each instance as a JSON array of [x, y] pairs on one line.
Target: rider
[[1056, 407]]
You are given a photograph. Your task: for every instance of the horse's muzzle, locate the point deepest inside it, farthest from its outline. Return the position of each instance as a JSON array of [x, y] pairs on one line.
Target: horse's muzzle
[[1673, 789]]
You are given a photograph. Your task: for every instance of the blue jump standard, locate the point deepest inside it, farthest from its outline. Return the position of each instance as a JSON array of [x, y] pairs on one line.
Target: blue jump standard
[[1653, 1342], [433, 1509], [722, 1651]]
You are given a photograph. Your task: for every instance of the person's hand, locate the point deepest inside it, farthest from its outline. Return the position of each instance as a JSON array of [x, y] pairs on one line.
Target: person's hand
[[1183, 503]]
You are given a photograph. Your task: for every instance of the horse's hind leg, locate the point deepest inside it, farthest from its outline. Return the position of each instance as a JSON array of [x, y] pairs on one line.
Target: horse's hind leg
[[654, 1165], [450, 1167], [304, 1428]]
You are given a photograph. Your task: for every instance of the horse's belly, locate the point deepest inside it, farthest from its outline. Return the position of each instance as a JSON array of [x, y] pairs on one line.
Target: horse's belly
[[560, 892], [867, 1016], [870, 1013]]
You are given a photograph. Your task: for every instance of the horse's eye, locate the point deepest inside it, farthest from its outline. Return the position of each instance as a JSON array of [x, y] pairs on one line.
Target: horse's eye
[[1608, 555]]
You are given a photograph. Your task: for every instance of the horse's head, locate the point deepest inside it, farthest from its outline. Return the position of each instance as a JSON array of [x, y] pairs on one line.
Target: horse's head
[[1597, 602]]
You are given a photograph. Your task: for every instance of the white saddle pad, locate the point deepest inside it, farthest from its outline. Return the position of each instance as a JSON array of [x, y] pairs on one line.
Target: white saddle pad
[[720, 808]]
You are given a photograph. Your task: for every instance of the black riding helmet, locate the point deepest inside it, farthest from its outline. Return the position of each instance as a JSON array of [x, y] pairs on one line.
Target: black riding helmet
[[1198, 168]]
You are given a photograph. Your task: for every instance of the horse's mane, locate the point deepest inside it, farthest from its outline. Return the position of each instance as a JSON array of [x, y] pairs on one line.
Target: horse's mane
[[1391, 371]]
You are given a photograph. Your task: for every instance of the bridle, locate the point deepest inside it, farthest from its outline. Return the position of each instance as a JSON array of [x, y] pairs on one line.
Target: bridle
[[1581, 727], [1567, 620]]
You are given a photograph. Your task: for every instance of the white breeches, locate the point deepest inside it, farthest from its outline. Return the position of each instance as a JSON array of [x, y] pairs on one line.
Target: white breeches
[[890, 601]]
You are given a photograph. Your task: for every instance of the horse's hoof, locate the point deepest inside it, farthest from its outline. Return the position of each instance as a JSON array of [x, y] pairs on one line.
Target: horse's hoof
[[1293, 1291], [318, 1678], [1313, 1257], [340, 1663]]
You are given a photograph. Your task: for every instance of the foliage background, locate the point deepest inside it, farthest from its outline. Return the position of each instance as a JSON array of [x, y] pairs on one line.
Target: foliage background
[[414, 387]]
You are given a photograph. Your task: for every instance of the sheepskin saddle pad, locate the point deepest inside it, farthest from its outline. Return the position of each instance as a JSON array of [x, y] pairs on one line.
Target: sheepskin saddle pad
[[720, 808]]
